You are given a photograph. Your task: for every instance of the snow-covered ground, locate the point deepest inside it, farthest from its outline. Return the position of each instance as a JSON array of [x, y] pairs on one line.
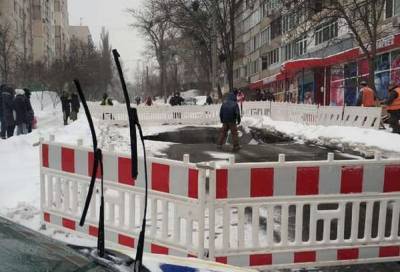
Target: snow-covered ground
[[19, 156], [352, 137]]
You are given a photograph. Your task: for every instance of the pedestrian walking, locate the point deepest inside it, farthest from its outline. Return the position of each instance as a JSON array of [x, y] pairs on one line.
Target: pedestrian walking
[[259, 95], [30, 112], [393, 106], [149, 101], [269, 96], [75, 106], [21, 112], [366, 97], [106, 101], [176, 100], [7, 96], [2, 124], [66, 106], [137, 100], [209, 100], [240, 98], [230, 118]]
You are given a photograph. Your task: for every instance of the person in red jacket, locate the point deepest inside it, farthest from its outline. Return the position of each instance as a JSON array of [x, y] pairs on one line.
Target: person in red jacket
[[366, 97]]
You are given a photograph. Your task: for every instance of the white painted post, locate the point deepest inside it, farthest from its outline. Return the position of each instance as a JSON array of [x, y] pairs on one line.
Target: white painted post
[[211, 212], [79, 142], [378, 155], [231, 159], [111, 147], [331, 157], [186, 158], [282, 158], [202, 207]]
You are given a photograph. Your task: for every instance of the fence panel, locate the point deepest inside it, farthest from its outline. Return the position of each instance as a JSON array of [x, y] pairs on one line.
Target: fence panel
[[260, 215], [287, 214], [209, 114], [176, 212]]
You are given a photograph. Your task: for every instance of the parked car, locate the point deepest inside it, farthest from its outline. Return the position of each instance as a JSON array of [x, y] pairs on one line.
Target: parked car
[[24, 250]]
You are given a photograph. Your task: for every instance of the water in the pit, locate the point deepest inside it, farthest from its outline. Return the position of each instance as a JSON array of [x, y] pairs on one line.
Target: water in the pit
[[257, 146]]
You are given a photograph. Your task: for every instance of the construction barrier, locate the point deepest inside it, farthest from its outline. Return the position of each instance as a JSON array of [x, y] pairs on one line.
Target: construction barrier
[[260, 215], [209, 114]]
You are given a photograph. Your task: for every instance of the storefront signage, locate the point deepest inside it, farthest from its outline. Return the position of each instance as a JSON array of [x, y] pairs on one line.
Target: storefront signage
[[382, 43]]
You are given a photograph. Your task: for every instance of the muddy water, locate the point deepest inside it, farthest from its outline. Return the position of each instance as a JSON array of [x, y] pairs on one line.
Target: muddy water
[[257, 146]]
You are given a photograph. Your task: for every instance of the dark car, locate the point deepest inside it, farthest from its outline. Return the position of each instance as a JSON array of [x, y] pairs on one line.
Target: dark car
[[24, 250]]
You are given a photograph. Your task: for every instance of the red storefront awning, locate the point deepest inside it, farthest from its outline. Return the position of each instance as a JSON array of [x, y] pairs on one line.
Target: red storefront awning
[[290, 68]]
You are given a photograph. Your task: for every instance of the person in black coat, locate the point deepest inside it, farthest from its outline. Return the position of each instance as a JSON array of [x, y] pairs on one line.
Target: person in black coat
[[66, 106], [209, 100], [31, 113], [7, 96], [230, 118], [75, 106], [21, 112], [2, 126]]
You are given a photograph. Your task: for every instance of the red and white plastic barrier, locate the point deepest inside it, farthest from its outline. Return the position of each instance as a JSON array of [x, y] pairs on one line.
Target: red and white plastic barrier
[[263, 215], [209, 114]]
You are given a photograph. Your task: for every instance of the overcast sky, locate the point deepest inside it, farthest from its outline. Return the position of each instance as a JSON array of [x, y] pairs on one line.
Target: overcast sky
[[112, 15]]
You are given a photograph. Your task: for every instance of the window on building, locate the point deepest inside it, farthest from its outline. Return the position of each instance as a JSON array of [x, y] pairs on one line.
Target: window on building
[[287, 51], [276, 28], [326, 32], [270, 58], [266, 36], [301, 46], [392, 8]]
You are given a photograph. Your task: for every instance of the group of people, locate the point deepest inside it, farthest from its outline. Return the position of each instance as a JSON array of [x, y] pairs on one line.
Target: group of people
[[367, 98], [15, 111], [70, 106], [264, 95], [148, 101]]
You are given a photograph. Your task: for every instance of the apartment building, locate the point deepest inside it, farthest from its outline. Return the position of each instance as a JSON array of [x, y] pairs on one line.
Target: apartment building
[[43, 31], [15, 16], [61, 31], [80, 33], [322, 66]]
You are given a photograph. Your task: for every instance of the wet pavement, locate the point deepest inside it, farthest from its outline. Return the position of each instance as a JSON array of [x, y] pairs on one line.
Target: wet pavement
[[257, 146]]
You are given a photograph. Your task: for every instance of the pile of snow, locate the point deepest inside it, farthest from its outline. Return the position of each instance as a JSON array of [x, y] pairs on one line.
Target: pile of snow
[[351, 136], [190, 93]]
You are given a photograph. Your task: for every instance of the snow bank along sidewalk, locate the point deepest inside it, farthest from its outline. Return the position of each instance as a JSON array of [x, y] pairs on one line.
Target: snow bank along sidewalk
[[354, 137]]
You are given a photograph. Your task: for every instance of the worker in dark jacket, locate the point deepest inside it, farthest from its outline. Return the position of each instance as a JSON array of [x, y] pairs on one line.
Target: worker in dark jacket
[[230, 118], [8, 112], [209, 100], [75, 106], [21, 112], [31, 113], [107, 101], [366, 97], [66, 106], [393, 106]]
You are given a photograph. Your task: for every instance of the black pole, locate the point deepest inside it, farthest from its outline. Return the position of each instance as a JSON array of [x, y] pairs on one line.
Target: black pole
[[133, 122], [98, 161]]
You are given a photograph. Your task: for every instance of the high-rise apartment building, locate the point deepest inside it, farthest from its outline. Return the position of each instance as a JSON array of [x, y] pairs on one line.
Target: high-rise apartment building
[[43, 31], [80, 33], [61, 28], [322, 66], [16, 19]]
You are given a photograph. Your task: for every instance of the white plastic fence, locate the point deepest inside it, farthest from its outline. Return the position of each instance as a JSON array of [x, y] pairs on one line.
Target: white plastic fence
[[260, 215], [299, 113]]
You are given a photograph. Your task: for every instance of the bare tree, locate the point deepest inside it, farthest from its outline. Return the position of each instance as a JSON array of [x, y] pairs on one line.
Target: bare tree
[[157, 29], [8, 52], [363, 18]]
